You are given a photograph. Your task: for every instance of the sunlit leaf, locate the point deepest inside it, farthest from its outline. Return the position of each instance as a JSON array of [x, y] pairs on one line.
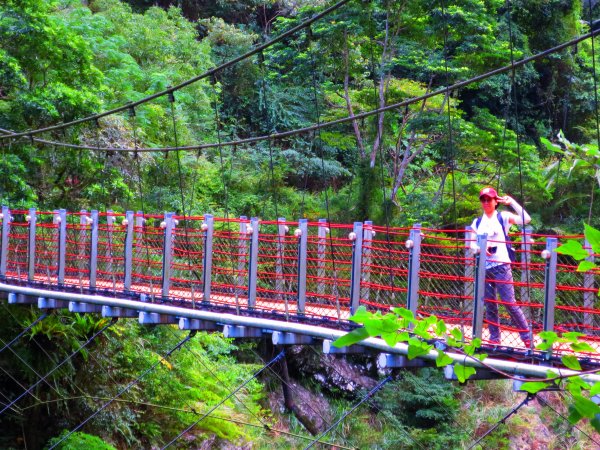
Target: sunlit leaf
[[574, 249], [592, 235], [585, 266], [585, 407], [582, 347], [351, 338], [443, 360], [534, 386], [571, 362], [463, 373]]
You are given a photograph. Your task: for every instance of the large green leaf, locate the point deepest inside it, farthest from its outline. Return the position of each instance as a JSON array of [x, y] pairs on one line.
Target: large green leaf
[[443, 360], [463, 373], [571, 362], [351, 338], [585, 407], [592, 235], [534, 386], [574, 249], [585, 266]]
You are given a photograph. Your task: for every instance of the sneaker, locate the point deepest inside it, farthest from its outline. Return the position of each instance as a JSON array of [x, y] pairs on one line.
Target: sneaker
[[527, 343]]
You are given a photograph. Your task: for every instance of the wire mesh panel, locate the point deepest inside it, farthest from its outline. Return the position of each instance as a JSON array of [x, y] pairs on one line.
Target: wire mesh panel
[[384, 268], [444, 270], [77, 250], [111, 245], [329, 270], [147, 260], [231, 246], [577, 303], [528, 286], [187, 262], [46, 247], [277, 271], [18, 238]]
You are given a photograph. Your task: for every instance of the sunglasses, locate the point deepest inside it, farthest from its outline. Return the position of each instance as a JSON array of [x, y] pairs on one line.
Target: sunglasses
[[486, 199]]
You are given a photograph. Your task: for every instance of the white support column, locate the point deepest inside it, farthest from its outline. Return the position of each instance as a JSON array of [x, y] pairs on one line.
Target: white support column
[[253, 263], [321, 252], [414, 267], [128, 254], [302, 269], [550, 284], [209, 224], [368, 235], [5, 238], [479, 288], [31, 245], [62, 245], [355, 277], [242, 253], [167, 254]]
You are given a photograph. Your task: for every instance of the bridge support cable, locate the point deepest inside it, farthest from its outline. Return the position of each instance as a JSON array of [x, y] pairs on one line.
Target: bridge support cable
[[34, 323], [126, 388], [526, 400], [64, 361], [284, 134], [543, 402], [29, 134], [591, 21], [182, 195], [350, 411], [258, 372], [318, 143], [520, 168]]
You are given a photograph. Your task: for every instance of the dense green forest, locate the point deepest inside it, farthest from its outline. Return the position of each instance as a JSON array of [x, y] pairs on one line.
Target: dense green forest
[[533, 134]]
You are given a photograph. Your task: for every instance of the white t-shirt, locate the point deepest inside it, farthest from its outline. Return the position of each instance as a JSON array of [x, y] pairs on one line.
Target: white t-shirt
[[495, 237]]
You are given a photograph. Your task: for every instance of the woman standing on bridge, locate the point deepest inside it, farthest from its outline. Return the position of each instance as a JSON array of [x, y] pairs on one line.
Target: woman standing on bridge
[[498, 273]]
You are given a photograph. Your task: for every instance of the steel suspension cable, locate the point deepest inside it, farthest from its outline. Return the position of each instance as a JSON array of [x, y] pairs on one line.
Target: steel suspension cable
[[281, 135], [34, 323], [520, 168], [526, 400], [591, 17], [182, 195], [565, 419], [64, 361], [349, 411], [206, 74], [322, 158], [258, 372], [126, 388], [451, 147]]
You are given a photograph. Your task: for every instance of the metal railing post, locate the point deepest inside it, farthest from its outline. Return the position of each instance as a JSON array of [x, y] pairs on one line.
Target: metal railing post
[[94, 249], [31, 248], [62, 245], [469, 268], [110, 223], [368, 235], [167, 254], [128, 256], [525, 264], [242, 252], [479, 287], [321, 249], [414, 267], [550, 284], [302, 253], [5, 239], [589, 297], [83, 224], [209, 223], [253, 263], [279, 259], [356, 267]]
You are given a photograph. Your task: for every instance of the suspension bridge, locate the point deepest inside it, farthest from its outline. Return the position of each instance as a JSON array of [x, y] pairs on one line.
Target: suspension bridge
[[299, 279]]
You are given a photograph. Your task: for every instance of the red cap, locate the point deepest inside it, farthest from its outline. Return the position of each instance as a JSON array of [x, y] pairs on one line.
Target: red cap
[[488, 192]]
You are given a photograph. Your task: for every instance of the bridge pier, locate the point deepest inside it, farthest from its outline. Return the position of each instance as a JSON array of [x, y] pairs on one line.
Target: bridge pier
[[84, 308], [240, 331], [51, 303], [329, 349], [21, 299], [197, 324], [116, 311], [389, 361], [147, 318], [283, 338]]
